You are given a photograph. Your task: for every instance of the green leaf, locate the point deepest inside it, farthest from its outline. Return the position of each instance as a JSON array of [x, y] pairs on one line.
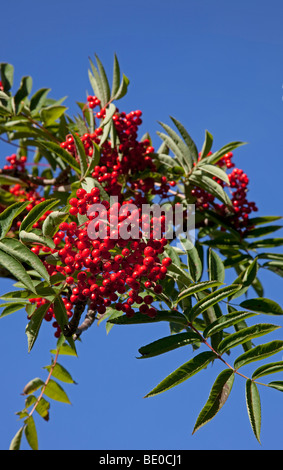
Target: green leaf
[[200, 286], [31, 237], [110, 111], [266, 243], [94, 161], [188, 140], [16, 269], [7, 76], [96, 83], [216, 269], [262, 305], [106, 131], [180, 274], [123, 88], [42, 408], [80, 153], [262, 231], [173, 316], [59, 372], [259, 352], [30, 433], [194, 261], [33, 327], [54, 391], [50, 114], [253, 407], [8, 215], [217, 398], [38, 99], [116, 77], [60, 312], [166, 160], [211, 299], [32, 386], [171, 144], [207, 145], [36, 212], [184, 372], [278, 385], [52, 222], [215, 157], [184, 151], [16, 441], [16, 296], [61, 316], [62, 153], [225, 321], [246, 278], [263, 220], [65, 350], [104, 80], [275, 266], [11, 308], [211, 186], [267, 369], [214, 171], [15, 248], [168, 343], [245, 335], [23, 91]]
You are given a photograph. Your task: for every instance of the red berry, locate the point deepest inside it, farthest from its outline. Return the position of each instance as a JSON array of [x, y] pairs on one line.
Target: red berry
[[166, 262]]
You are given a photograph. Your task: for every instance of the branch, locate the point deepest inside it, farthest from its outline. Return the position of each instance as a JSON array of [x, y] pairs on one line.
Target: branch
[[88, 321], [60, 181], [71, 328]]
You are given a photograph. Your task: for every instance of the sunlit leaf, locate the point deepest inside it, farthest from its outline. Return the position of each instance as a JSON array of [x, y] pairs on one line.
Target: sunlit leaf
[[9, 214], [217, 398], [267, 369], [211, 299], [184, 372], [34, 324], [31, 433], [253, 407], [36, 212], [54, 391], [262, 305], [259, 352], [245, 334], [168, 343], [225, 321]]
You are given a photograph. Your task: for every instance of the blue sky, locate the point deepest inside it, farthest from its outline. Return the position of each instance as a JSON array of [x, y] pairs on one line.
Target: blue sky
[[212, 65]]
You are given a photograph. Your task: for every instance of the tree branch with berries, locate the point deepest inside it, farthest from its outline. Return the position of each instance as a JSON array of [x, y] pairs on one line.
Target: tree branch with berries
[[86, 209]]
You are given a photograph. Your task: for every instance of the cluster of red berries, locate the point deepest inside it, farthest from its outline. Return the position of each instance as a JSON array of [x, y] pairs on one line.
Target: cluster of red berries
[[95, 271], [239, 187], [92, 102], [131, 158], [15, 163], [22, 194]]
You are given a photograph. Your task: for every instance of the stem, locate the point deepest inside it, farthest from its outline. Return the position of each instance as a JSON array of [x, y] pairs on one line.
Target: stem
[[46, 382], [190, 325]]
